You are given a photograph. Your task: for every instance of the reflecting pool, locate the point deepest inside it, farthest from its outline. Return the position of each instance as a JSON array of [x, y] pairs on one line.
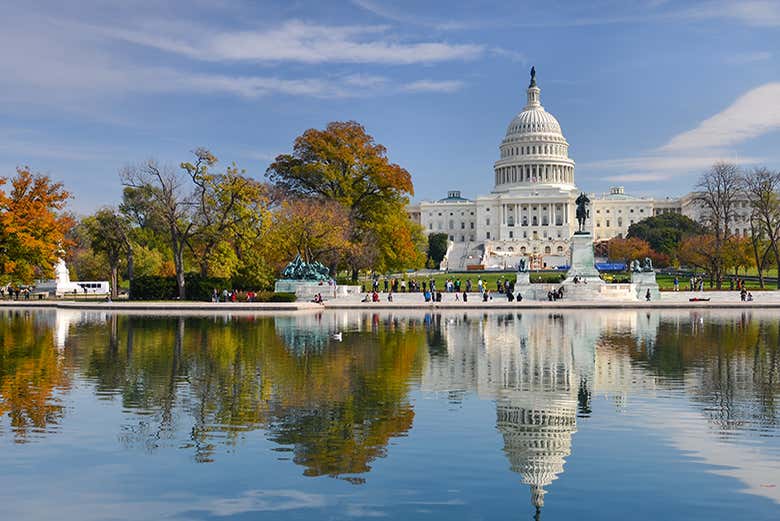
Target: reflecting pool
[[611, 414]]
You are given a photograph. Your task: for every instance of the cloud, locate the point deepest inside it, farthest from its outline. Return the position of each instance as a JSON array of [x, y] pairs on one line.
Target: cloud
[[266, 501], [741, 58], [753, 114], [757, 13], [446, 86], [293, 41]]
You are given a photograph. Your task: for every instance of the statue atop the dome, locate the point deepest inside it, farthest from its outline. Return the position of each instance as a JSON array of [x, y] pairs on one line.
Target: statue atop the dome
[[582, 210], [533, 77]]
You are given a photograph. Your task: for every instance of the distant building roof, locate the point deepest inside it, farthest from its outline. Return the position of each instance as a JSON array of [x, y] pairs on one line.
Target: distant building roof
[[453, 196]]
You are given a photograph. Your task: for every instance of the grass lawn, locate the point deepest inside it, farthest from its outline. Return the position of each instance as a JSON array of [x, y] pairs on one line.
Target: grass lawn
[[666, 283]]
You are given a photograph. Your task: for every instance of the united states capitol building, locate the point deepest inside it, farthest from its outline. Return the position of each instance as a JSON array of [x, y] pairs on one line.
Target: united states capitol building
[[531, 210]]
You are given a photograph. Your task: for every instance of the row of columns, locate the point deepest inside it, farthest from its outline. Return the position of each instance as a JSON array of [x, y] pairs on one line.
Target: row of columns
[[539, 173], [551, 212]]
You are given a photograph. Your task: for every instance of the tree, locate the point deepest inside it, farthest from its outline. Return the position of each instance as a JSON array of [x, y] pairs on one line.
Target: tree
[[700, 251], [32, 226], [718, 191], [315, 230], [628, 249], [737, 254], [664, 232], [344, 164], [761, 187], [109, 235], [437, 247], [228, 205], [166, 196]]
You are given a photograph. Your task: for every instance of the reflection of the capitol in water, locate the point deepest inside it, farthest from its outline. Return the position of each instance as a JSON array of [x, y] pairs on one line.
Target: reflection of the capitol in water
[[540, 368]]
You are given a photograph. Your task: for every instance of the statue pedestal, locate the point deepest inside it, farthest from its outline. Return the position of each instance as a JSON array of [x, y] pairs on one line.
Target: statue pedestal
[[306, 289], [583, 262], [523, 278], [643, 281]]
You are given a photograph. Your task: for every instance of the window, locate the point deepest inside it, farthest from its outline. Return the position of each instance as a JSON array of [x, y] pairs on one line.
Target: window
[[487, 221], [452, 224], [462, 226], [607, 223], [471, 225], [598, 224], [559, 250], [430, 226], [511, 235], [487, 235], [547, 249], [452, 238]]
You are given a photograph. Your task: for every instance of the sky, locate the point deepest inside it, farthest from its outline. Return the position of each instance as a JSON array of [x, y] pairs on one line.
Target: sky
[[649, 93]]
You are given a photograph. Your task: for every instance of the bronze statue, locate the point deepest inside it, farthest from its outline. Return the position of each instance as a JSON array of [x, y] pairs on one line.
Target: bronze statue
[[582, 210], [648, 265], [522, 264], [300, 270], [533, 77]]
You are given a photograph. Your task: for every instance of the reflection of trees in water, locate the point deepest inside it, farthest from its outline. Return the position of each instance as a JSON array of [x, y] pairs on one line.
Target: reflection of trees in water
[[337, 404], [728, 365], [32, 373]]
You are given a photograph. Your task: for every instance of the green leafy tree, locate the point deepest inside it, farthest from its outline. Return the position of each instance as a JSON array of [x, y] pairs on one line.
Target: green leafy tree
[[344, 164], [437, 247], [665, 232], [109, 235]]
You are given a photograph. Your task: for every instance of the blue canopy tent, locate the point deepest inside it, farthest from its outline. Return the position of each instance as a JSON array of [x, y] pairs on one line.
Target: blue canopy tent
[[611, 266]]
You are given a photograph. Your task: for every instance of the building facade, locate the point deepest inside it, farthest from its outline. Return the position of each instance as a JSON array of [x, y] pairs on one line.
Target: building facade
[[531, 210]]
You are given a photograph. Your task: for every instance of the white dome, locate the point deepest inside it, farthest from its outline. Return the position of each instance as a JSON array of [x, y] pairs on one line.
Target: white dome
[[534, 150], [533, 120]]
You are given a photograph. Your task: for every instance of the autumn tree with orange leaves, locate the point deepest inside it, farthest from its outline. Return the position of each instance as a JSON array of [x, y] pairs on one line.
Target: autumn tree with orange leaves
[[343, 164], [32, 226]]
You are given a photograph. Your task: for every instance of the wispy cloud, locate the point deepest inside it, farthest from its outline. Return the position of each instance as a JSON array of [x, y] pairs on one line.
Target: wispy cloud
[[753, 114], [433, 86], [295, 41], [741, 58]]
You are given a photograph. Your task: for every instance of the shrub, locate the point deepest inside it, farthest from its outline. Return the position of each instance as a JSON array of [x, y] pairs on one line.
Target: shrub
[[153, 287]]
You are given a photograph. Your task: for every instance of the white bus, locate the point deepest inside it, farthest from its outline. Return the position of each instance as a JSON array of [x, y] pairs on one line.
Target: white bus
[[101, 287]]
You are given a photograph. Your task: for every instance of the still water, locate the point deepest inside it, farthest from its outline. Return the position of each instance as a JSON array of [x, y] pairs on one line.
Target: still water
[[565, 415]]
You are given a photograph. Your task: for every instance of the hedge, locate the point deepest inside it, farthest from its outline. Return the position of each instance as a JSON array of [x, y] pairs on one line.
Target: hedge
[[196, 288]]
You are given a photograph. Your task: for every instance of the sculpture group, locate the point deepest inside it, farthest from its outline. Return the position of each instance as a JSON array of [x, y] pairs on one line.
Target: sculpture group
[[647, 267], [300, 270]]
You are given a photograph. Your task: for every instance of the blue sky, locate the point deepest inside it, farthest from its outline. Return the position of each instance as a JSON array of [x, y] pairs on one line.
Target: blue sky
[[648, 92]]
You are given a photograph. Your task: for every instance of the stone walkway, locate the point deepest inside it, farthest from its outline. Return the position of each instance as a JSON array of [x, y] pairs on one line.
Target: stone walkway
[[673, 300]]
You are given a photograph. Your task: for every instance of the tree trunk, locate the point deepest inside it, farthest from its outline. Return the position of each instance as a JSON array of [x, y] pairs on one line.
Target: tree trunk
[[354, 274], [114, 279], [178, 261], [776, 251]]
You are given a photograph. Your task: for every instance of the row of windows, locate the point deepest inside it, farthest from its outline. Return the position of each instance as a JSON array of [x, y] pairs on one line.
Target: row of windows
[[439, 225], [430, 214], [523, 249], [530, 150], [631, 210]]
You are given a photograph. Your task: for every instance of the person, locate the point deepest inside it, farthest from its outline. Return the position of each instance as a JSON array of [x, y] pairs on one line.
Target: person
[[465, 297], [427, 295], [676, 284], [375, 296], [479, 285], [214, 295], [468, 285], [438, 296], [743, 295], [367, 298], [750, 297], [457, 297], [484, 296], [403, 286], [509, 296], [647, 295], [390, 297], [519, 297]]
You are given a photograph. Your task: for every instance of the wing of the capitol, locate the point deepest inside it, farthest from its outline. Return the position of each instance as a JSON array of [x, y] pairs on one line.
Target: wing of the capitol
[[530, 212]]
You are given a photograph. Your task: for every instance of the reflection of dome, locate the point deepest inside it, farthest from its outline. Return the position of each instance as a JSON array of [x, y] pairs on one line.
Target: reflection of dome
[[537, 441], [534, 149]]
